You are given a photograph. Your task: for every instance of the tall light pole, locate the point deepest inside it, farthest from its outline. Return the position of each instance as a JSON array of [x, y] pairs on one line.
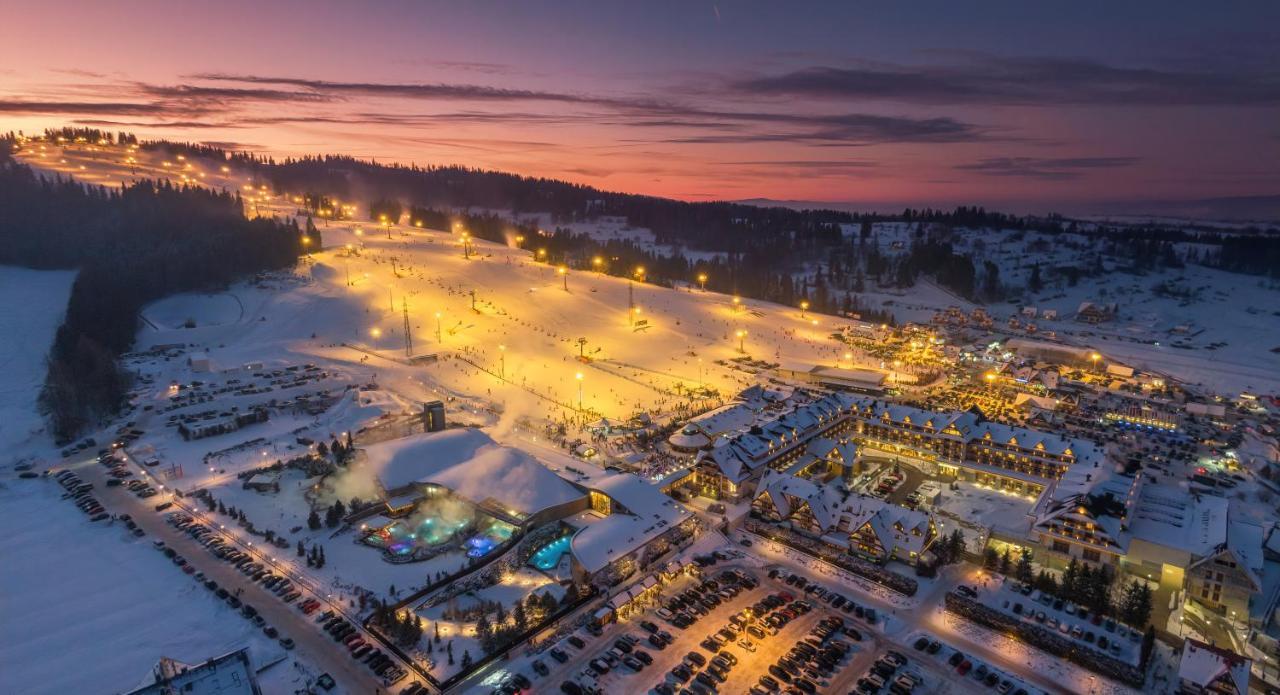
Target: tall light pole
[[597, 263], [702, 281], [638, 273], [737, 304], [579, 377], [564, 275], [438, 339], [742, 335], [502, 363], [804, 306]]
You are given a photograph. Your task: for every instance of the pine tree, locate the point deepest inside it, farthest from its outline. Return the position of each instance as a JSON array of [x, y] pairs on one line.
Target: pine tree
[[519, 616], [449, 651], [1024, 566], [990, 559], [956, 542], [1070, 578], [302, 550], [313, 521], [1005, 562], [466, 659]]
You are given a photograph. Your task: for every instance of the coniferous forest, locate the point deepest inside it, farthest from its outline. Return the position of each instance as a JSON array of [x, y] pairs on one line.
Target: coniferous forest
[[131, 246]]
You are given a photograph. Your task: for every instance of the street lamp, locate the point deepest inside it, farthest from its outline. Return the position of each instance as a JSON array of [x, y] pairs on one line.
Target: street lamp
[[438, 339], [737, 303], [564, 275], [375, 332], [598, 263], [579, 377], [542, 254], [702, 281], [804, 306], [502, 356], [742, 335], [1095, 357]]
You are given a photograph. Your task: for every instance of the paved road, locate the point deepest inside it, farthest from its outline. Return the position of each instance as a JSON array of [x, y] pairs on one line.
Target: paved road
[[313, 645]]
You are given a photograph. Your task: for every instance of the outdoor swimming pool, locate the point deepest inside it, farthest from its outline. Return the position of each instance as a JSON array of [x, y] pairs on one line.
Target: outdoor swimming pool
[[548, 556]]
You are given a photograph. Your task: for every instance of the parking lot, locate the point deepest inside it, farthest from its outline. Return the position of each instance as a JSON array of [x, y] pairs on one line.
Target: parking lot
[[731, 642], [769, 632], [1093, 632], [288, 621]]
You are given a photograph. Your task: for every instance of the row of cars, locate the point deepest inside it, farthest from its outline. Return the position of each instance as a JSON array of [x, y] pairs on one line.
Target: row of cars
[[964, 665], [811, 661], [120, 474], [884, 672], [831, 598], [337, 627], [80, 491], [684, 609], [696, 673], [363, 650], [218, 546], [1091, 628], [247, 611]]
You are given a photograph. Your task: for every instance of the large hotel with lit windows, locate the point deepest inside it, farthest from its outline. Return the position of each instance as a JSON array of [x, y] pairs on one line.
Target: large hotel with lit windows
[[736, 444]]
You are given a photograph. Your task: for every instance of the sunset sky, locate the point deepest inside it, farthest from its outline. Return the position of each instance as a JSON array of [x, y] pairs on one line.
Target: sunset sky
[[1026, 106]]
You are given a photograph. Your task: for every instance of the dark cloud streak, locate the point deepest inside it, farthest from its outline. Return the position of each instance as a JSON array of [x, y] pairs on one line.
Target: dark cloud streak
[[1062, 169], [988, 79]]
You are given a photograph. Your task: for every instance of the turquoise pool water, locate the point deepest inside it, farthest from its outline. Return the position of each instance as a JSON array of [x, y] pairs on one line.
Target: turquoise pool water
[[548, 556]]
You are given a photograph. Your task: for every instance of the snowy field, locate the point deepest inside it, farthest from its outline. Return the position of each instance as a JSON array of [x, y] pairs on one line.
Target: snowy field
[[87, 608], [33, 307]]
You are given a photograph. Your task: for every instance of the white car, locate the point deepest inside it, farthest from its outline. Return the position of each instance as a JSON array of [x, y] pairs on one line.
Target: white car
[[747, 644]]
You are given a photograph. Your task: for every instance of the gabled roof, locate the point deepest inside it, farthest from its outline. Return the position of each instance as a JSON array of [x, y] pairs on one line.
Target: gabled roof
[[1202, 665], [891, 524]]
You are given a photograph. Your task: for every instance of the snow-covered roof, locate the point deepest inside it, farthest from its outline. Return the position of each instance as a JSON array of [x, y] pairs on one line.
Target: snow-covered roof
[[472, 466], [229, 674], [896, 527], [726, 418], [644, 513], [1203, 665]]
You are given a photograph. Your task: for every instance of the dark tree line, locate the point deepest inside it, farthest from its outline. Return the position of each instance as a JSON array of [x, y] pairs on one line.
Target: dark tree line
[[131, 246]]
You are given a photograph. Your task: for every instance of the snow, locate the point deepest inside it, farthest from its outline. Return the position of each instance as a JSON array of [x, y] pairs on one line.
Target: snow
[[648, 514], [34, 304], [469, 463], [174, 312], [1202, 664], [1001, 511], [89, 608]]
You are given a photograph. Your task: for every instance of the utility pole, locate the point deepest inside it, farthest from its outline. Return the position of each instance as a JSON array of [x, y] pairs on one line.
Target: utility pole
[[408, 338]]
